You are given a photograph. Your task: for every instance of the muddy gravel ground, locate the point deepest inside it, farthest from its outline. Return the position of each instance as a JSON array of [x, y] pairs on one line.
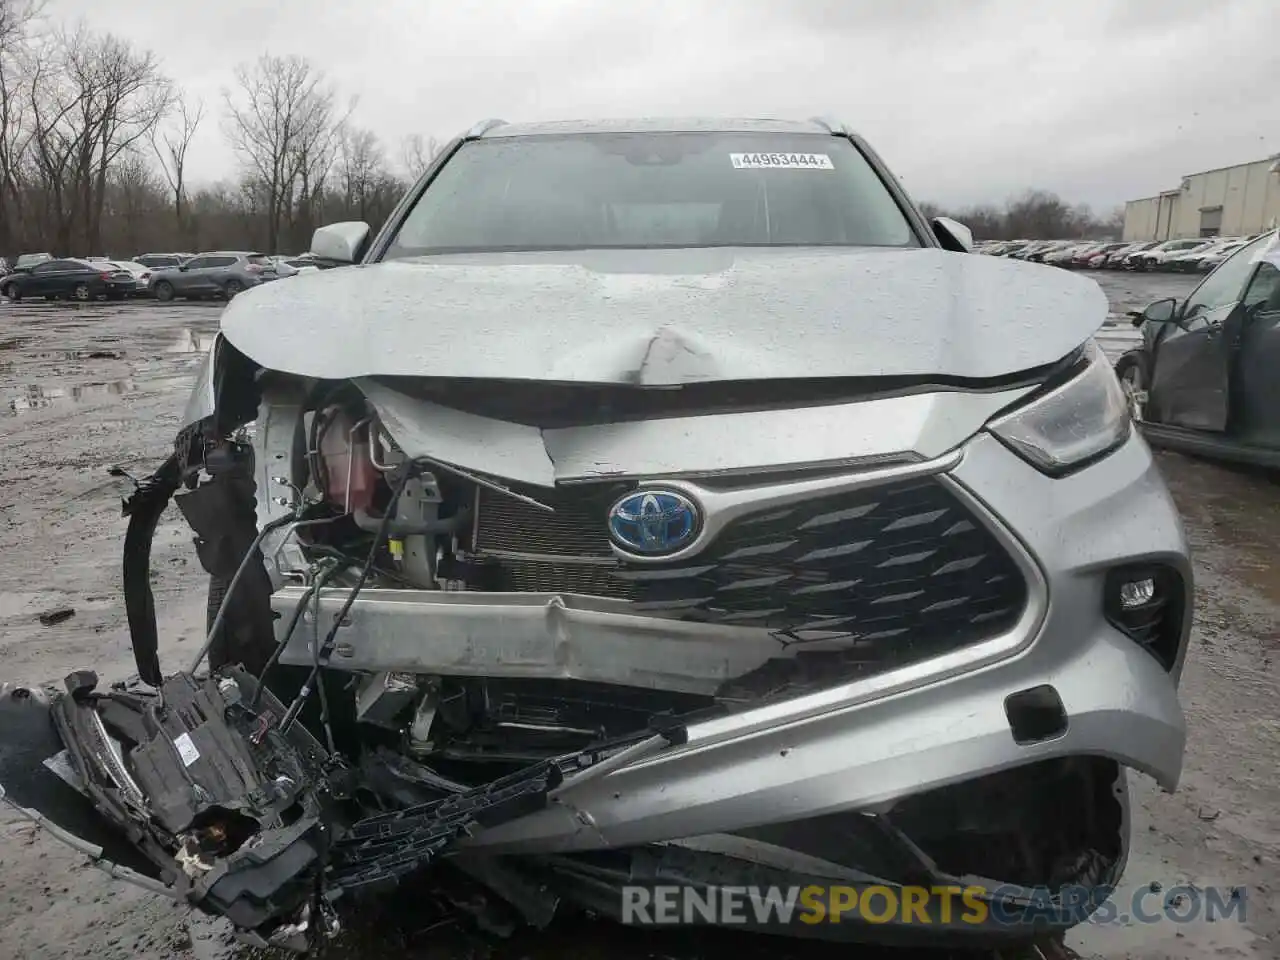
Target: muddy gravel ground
[[85, 388]]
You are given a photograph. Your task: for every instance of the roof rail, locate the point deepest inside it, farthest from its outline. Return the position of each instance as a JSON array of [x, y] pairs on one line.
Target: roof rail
[[483, 127], [833, 126]]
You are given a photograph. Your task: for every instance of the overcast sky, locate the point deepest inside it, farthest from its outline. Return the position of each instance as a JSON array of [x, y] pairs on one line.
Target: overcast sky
[[967, 100]]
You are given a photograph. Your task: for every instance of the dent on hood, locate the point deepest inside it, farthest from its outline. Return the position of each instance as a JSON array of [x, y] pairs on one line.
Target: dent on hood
[[589, 317]]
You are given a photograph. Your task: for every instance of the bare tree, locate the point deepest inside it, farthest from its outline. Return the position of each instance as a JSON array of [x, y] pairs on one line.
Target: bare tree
[[360, 163], [281, 122], [170, 147], [17, 18], [314, 156], [132, 192], [417, 152], [1033, 215], [93, 98]]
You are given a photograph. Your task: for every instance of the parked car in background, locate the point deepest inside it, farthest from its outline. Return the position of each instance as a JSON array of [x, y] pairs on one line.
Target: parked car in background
[[70, 280], [1064, 256], [8, 278], [1027, 250], [1097, 256], [1204, 379], [1211, 259], [158, 261], [1189, 260], [1115, 259], [223, 273], [1155, 258], [1046, 248], [1007, 247], [305, 263], [141, 274], [28, 260]]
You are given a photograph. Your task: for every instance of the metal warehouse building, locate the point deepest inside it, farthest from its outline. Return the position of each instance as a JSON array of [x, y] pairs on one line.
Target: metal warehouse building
[[1231, 201]]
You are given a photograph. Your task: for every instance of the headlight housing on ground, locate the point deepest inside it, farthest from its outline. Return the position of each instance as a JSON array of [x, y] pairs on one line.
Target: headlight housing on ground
[[1071, 425]]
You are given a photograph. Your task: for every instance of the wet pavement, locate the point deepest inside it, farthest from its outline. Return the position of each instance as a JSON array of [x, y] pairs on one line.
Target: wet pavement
[[85, 388]]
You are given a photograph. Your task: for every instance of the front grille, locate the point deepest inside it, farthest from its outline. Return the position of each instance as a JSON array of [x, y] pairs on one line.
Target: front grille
[[903, 560]]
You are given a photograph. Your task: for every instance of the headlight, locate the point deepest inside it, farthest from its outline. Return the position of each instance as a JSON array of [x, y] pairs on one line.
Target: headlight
[[1071, 425]]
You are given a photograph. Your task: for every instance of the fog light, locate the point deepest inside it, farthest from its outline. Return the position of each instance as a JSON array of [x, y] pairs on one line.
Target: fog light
[[1137, 593], [1148, 602]]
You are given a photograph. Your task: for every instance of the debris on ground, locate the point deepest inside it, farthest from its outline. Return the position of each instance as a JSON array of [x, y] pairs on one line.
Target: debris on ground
[[51, 618]]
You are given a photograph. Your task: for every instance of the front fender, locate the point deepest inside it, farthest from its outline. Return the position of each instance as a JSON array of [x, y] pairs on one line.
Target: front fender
[[203, 401], [225, 393]]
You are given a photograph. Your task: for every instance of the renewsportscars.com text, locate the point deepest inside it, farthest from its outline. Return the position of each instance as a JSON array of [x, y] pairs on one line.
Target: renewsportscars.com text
[[781, 906]]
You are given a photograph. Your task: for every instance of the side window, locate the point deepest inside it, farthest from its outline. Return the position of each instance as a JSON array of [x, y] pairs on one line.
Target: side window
[[198, 263], [219, 261], [1264, 289], [1225, 285], [51, 266]]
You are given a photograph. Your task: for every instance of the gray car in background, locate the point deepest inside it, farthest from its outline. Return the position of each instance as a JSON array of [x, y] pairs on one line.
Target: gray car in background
[[223, 273]]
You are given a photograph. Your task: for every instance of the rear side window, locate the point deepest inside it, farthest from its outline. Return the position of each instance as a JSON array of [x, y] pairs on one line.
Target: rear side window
[[653, 190], [218, 262]]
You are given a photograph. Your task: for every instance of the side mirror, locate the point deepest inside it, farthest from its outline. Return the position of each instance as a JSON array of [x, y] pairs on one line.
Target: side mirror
[[953, 235], [341, 242], [1159, 311]]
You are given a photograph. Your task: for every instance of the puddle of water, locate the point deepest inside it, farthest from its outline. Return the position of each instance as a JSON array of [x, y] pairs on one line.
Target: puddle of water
[[36, 397]]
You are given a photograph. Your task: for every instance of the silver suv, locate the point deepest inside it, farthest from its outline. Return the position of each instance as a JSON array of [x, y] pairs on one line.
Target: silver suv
[[657, 503], [220, 274]]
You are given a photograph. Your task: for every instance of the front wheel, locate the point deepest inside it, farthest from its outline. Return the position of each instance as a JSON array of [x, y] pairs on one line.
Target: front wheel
[[12, 292], [231, 288], [1133, 373]]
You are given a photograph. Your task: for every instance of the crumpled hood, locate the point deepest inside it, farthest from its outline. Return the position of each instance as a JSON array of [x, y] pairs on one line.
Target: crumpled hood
[[667, 317]]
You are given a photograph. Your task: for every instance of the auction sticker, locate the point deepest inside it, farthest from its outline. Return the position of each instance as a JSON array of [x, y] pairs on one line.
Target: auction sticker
[[186, 750], [781, 161]]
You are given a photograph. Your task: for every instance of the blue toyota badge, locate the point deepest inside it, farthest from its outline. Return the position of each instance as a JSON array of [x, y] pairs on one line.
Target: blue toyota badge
[[653, 523]]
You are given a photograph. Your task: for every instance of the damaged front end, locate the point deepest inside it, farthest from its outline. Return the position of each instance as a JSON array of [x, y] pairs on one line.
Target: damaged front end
[[581, 641]]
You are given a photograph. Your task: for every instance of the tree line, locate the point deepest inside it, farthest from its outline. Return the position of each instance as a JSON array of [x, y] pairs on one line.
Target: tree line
[[1034, 215], [95, 142]]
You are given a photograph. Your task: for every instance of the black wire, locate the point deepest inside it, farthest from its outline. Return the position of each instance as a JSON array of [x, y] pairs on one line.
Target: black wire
[[324, 697], [379, 536], [321, 579], [322, 652]]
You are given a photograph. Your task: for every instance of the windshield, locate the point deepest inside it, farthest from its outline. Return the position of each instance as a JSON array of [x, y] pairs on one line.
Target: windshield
[[653, 190]]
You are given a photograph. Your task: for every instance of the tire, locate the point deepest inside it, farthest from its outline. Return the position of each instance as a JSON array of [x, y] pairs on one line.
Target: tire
[[80, 293], [231, 288], [164, 291], [13, 293], [1133, 371]]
